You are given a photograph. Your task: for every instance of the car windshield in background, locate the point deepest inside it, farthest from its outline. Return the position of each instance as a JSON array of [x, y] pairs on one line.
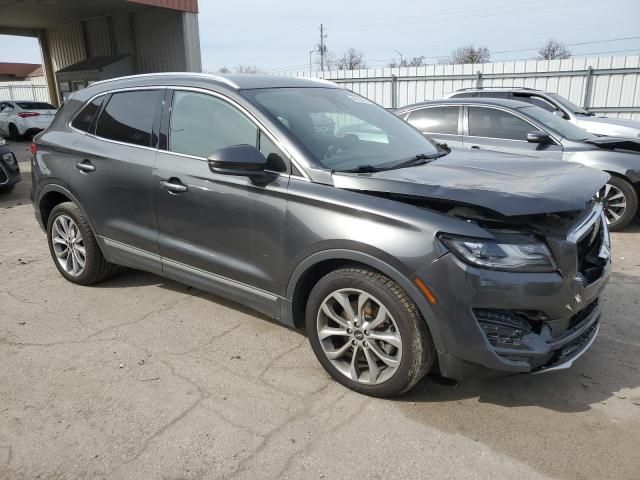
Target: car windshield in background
[[556, 124], [35, 106], [341, 130], [572, 107]]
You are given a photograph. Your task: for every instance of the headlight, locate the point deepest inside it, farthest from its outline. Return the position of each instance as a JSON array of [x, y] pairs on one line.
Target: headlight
[[508, 252], [2, 142], [9, 159]]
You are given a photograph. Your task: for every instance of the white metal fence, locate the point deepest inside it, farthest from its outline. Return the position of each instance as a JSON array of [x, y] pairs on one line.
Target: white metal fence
[[32, 89], [608, 85]]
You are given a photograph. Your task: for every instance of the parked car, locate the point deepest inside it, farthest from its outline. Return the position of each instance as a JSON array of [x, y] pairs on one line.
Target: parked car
[[24, 117], [9, 168], [394, 260], [558, 105], [516, 127]]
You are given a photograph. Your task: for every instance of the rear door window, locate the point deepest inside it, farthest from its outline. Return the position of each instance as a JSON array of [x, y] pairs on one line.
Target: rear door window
[[128, 117], [84, 119], [202, 124], [436, 120], [494, 123]]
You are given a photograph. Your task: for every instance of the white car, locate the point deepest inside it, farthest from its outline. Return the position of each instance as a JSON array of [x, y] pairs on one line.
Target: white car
[[24, 117], [554, 103]]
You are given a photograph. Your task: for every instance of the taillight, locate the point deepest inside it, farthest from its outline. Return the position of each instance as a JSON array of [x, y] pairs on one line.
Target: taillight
[[28, 114], [33, 148]]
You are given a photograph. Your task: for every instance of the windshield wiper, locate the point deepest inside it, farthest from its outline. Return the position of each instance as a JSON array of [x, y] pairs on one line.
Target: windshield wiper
[[419, 159], [362, 169]]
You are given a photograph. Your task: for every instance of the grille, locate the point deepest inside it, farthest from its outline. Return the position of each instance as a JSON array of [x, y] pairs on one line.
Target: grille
[[503, 328], [590, 264]]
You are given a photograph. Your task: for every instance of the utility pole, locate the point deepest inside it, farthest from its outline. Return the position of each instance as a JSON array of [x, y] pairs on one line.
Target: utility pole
[[399, 53], [322, 47]]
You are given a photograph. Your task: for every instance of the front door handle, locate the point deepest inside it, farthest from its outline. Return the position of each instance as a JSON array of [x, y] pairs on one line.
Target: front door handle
[[85, 166], [475, 147], [174, 185]]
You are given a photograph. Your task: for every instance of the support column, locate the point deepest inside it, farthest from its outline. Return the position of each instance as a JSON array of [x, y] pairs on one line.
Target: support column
[[47, 66]]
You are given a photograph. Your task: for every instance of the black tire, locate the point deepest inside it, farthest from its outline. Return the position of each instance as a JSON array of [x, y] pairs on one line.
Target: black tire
[[96, 267], [14, 133], [631, 197], [418, 352]]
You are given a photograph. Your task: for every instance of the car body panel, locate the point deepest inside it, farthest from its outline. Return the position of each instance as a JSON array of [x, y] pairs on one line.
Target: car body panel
[[254, 242]]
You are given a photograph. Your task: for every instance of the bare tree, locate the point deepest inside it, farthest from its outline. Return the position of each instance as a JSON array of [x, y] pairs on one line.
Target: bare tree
[[553, 50], [412, 62], [247, 69], [224, 70], [352, 59], [469, 54]]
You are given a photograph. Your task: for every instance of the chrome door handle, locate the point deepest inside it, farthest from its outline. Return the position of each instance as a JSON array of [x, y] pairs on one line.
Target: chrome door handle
[[174, 187], [85, 166]]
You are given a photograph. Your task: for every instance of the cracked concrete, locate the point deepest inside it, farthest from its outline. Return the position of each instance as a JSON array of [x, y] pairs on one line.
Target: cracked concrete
[[144, 378]]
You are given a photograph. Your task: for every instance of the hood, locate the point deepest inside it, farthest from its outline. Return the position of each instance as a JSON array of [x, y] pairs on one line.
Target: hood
[[508, 184], [618, 127]]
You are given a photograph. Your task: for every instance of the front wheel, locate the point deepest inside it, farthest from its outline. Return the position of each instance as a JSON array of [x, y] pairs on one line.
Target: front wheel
[[14, 133], [620, 201], [367, 333]]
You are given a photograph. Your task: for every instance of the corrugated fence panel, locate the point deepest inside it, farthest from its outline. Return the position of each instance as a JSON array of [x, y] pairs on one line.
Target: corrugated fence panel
[[159, 40], [615, 81], [31, 89], [122, 33], [97, 32]]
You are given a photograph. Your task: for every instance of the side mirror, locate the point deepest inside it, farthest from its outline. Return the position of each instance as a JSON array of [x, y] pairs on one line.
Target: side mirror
[[538, 137], [243, 160]]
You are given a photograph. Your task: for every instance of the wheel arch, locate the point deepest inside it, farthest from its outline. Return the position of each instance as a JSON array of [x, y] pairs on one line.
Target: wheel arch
[[52, 195], [314, 267]]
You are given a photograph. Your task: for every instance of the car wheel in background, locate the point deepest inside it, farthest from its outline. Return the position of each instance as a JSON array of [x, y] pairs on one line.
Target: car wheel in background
[[367, 333], [74, 248], [620, 201], [14, 133]]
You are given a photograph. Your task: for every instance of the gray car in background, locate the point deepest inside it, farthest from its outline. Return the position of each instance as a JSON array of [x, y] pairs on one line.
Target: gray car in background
[[558, 105], [396, 255], [516, 127]]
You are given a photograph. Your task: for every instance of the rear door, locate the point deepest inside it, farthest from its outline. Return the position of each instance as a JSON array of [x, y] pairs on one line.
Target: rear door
[[220, 232], [441, 123], [490, 128], [112, 168]]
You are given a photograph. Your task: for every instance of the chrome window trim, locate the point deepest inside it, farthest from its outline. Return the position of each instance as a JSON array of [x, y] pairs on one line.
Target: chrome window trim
[[205, 91]]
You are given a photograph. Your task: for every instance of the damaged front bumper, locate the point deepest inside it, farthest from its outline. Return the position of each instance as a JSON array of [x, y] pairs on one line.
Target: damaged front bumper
[[493, 322]]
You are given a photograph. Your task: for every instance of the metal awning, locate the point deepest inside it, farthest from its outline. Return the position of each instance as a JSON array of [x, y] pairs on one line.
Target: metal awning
[[25, 17]]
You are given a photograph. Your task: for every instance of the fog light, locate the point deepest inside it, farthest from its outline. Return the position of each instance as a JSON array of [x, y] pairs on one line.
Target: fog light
[[502, 329], [9, 159]]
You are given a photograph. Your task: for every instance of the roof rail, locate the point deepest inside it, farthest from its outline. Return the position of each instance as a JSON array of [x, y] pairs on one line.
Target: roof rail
[[497, 88], [217, 78]]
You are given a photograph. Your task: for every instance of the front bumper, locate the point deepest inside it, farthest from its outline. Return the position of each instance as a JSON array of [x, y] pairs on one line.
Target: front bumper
[[560, 314], [9, 172]]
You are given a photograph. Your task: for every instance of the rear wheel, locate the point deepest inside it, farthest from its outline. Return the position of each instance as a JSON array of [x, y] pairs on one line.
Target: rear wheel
[[14, 133], [74, 248], [367, 333], [620, 201]]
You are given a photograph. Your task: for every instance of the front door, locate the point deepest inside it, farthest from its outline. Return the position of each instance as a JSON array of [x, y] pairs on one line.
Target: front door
[[111, 169], [220, 232], [494, 129]]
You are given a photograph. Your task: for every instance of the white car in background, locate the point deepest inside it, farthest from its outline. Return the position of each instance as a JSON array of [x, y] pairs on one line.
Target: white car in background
[[24, 117]]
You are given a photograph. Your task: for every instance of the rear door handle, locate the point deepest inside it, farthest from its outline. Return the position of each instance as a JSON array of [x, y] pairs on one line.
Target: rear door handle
[[174, 185], [475, 147], [85, 166]]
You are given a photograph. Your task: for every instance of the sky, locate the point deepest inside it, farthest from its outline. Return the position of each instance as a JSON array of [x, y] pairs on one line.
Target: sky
[[278, 35]]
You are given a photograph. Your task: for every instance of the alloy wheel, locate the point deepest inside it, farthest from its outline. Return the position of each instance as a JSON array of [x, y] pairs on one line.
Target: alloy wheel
[[68, 245], [359, 336], [614, 202]]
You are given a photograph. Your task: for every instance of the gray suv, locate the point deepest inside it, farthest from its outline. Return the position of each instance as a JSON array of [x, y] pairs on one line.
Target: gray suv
[[395, 262], [558, 105]]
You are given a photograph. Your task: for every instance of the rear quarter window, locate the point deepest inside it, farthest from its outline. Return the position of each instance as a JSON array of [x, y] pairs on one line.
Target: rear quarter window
[[84, 119]]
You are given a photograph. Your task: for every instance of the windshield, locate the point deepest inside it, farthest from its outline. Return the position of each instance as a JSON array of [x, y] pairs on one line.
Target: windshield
[[572, 107], [35, 106], [342, 130], [558, 125]]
